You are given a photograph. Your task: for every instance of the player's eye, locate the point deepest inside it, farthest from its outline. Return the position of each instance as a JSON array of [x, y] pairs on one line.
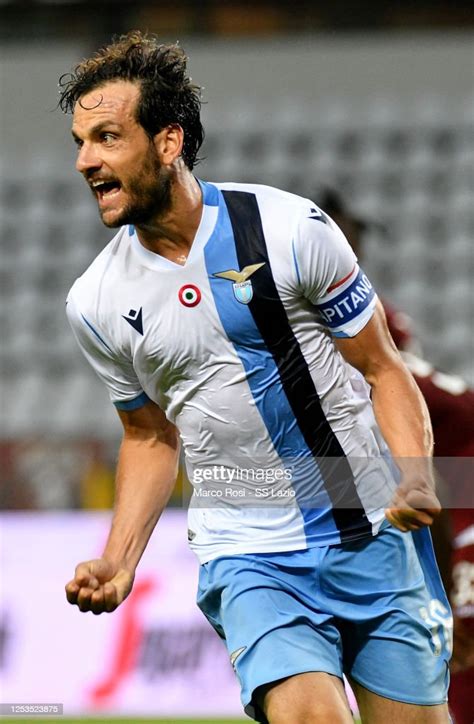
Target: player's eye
[[107, 137]]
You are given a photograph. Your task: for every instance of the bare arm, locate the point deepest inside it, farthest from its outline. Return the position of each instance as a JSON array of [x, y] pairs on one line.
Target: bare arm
[[403, 419], [146, 474]]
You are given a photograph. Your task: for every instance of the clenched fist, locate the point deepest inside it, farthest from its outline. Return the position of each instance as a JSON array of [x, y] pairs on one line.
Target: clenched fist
[[99, 586], [414, 505]]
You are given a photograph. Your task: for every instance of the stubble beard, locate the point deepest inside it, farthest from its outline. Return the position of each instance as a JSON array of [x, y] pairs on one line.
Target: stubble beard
[[149, 194]]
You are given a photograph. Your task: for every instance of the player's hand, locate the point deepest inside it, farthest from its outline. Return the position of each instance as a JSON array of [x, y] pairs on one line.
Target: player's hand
[[99, 586], [414, 505]]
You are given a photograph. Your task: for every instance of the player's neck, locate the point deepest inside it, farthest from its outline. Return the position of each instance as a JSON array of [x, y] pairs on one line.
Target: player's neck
[[171, 235]]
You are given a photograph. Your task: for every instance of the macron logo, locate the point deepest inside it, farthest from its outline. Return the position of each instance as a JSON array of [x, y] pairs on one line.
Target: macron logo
[[134, 319], [317, 215]]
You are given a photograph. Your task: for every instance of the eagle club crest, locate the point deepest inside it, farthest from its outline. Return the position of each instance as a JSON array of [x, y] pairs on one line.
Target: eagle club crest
[[242, 286]]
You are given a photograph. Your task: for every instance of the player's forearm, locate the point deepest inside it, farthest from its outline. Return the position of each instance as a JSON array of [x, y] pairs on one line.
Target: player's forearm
[[146, 475], [403, 418], [399, 407]]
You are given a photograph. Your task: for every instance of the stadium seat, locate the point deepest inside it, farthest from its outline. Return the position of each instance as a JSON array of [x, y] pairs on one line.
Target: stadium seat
[[406, 167]]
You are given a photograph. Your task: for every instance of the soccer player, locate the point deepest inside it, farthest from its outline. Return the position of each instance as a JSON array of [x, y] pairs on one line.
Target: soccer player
[[234, 318]]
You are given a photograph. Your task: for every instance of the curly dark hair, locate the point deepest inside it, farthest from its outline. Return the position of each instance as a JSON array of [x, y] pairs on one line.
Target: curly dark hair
[[167, 94]]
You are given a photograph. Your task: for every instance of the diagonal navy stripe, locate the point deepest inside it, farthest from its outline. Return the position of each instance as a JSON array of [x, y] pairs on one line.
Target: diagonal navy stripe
[[265, 385], [270, 318]]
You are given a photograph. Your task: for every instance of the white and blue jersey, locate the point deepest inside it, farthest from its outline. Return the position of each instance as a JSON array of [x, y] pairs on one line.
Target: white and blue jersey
[[236, 347]]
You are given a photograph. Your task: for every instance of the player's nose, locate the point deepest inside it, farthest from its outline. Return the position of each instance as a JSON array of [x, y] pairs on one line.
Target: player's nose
[[87, 159]]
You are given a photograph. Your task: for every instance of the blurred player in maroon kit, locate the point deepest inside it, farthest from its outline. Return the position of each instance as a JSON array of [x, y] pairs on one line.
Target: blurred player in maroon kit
[[451, 403]]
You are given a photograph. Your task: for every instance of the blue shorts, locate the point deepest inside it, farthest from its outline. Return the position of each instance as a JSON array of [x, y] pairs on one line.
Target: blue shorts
[[374, 610]]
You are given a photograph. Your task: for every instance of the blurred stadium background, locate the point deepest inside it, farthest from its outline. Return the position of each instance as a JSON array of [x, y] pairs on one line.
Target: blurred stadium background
[[374, 99]]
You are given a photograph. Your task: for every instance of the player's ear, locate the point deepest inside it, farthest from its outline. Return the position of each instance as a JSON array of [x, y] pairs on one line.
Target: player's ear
[[169, 143]]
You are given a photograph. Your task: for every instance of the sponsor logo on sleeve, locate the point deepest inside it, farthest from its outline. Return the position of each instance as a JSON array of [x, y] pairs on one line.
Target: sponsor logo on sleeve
[[317, 215]]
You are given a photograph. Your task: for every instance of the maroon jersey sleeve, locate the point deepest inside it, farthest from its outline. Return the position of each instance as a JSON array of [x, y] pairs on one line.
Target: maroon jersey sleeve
[[451, 406], [401, 328]]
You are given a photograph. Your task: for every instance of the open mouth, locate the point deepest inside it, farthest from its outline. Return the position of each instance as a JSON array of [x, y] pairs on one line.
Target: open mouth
[[105, 189]]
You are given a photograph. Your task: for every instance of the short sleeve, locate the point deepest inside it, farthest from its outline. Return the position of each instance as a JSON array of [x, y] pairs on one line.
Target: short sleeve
[[117, 373], [330, 276]]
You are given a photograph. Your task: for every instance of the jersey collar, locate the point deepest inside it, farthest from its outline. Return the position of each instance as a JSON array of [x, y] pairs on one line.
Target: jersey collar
[[204, 231]]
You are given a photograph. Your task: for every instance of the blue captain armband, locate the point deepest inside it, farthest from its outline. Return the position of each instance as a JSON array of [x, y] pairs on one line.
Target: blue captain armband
[[346, 312]]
